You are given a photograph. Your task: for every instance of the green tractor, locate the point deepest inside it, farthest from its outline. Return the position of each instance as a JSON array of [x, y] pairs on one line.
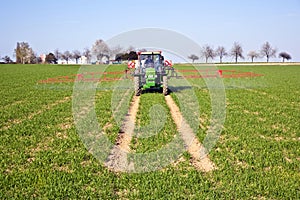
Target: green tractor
[[151, 71]]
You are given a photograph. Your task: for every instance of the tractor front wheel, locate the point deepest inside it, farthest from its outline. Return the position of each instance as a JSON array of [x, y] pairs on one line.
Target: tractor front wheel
[[165, 85], [137, 89]]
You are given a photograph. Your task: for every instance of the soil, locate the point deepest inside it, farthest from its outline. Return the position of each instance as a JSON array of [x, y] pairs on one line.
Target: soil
[[193, 145], [117, 160]]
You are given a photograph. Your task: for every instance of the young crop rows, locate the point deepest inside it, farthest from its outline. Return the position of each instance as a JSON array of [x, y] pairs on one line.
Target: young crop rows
[[43, 155]]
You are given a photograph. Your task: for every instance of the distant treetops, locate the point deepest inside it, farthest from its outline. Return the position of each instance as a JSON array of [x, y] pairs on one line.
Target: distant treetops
[[208, 53]]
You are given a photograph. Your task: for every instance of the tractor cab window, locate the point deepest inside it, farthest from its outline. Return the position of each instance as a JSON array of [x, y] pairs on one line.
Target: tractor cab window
[[143, 60], [149, 61], [152, 60], [157, 59]]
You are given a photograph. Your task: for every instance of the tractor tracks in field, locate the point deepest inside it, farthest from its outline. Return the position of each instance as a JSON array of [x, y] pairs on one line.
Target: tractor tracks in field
[[117, 160], [192, 143]]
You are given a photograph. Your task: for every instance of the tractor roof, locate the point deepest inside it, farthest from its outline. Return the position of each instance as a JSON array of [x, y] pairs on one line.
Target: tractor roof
[[149, 52]]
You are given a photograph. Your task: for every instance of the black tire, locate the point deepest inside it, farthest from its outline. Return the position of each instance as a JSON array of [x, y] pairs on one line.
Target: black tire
[[137, 89], [165, 85]]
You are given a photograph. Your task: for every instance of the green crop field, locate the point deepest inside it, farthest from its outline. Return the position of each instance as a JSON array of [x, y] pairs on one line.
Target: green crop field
[[257, 155]]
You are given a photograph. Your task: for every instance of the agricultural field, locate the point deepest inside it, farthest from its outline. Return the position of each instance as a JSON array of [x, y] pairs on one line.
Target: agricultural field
[[257, 155]]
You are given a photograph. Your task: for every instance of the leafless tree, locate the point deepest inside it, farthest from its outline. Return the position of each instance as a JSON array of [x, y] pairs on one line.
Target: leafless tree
[[115, 50], [207, 52], [285, 55], [268, 51], [142, 49], [193, 57], [87, 54], [221, 52], [252, 55], [237, 51], [7, 59], [66, 56], [100, 49], [130, 48], [57, 54], [24, 53], [76, 55], [31, 56]]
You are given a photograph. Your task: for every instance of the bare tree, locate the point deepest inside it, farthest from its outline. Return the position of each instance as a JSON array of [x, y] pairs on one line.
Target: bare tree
[[237, 51], [193, 57], [207, 52], [76, 55], [285, 55], [87, 54], [115, 51], [7, 59], [57, 54], [20, 52], [130, 48], [66, 56], [32, 57], [252, 55], [142, 49], [100, 50], [268, 51], [221, 52], [24, 53]]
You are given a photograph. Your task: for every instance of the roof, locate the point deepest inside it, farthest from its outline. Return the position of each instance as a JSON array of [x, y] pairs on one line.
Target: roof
[[149, 52]]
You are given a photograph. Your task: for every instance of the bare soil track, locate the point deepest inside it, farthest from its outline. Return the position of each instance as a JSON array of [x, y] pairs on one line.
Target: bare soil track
[[117, 160], [194, 148]]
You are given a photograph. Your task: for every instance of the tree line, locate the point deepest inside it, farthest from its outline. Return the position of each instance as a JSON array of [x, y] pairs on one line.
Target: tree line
[[24, 54], [207, 52]]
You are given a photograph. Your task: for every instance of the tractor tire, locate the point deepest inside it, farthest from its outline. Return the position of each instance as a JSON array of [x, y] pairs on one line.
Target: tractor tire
[[165, 85], [137, 89]]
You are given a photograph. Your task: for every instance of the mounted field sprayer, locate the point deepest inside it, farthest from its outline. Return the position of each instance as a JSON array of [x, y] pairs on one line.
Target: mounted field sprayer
[[151, 71]]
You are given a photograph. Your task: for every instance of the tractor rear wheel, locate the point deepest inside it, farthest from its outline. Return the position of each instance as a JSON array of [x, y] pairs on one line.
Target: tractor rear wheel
[[165, 85], [137, 89]]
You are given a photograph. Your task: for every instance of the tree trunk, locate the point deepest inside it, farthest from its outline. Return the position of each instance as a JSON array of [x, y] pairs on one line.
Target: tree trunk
[[220, 59], [267, 58], [252, 59]]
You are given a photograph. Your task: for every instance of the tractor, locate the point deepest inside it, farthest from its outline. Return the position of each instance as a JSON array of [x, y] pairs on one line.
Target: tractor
[[151, 71]]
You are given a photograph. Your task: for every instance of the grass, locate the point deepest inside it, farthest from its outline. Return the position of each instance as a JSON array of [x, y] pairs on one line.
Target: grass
[[257, 155]]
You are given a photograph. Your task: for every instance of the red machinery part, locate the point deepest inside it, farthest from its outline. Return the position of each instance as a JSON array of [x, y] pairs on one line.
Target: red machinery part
[[131, 64], [168, 63]]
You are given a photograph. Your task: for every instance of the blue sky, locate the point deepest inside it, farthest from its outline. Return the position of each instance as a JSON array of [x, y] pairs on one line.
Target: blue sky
[[76, 24]]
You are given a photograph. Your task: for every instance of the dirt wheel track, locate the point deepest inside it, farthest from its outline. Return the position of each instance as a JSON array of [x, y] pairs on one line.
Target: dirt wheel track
[[194, 148], [117, 160]]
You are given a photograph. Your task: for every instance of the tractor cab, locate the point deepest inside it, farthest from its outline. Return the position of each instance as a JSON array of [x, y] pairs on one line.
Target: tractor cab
[[150, 59], [150, 72]]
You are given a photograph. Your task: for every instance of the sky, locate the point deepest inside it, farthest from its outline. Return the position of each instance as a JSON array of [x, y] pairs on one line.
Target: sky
[[77, 24]]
